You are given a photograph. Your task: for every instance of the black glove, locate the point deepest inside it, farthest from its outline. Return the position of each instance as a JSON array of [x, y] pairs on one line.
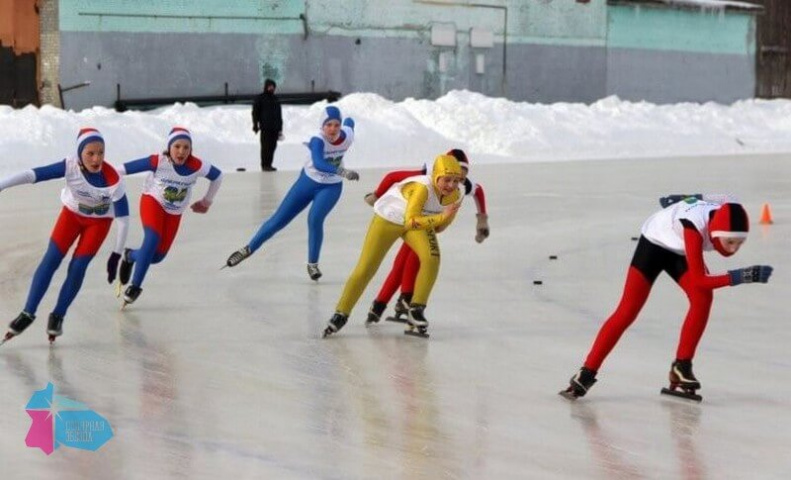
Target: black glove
[[255, 128], [112, 266], [756, 273], [671, 199]]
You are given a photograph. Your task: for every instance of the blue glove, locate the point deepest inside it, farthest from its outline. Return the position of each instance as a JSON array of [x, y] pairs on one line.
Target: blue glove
[[756, 273], [112, 266], [671, 199]]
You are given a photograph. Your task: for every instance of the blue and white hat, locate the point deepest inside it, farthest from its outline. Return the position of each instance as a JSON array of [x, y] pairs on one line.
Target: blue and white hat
[[179, 133], [331, 113], [87, 135]]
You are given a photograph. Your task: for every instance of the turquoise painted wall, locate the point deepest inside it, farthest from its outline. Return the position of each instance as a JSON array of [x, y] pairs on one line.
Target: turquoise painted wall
[[181, 16], [681, 30], [556, 50], [561, 22], [662, 54]]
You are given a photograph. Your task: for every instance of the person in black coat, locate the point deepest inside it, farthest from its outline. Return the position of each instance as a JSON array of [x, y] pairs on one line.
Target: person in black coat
[[268, 119]]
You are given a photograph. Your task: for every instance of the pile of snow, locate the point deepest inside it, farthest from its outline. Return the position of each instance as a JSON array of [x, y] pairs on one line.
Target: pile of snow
[[408, 133]]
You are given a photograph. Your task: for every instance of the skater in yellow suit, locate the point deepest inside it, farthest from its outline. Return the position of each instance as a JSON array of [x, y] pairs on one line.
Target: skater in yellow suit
[[414, 209]]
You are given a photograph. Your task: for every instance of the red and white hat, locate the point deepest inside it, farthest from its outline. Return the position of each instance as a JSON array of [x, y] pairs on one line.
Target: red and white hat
[[461, 157], [179, 133], [85, 136], [728, 221]]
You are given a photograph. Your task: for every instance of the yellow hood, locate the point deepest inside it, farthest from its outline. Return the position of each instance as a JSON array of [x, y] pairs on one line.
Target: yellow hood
[[444, 165]]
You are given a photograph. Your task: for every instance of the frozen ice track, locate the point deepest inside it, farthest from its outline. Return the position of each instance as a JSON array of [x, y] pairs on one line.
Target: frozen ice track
[[223, 374]]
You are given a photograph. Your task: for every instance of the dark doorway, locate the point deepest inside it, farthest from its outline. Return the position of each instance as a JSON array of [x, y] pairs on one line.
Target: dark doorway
[[773, 69], [17, 78]]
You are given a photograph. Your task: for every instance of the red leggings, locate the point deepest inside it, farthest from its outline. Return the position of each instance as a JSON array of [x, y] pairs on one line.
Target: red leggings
[[91, 232], [650, 260], [403, 274], [164, 224]]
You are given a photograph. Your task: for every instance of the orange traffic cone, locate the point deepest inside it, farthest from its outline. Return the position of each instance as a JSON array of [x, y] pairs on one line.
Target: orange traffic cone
[[766, 215]]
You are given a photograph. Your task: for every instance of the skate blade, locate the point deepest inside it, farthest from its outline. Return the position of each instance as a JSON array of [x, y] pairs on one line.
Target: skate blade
[[396, 319], [416, 333], [123, 305], [568, 395], [52, 339], [8, 336], [682, 394]]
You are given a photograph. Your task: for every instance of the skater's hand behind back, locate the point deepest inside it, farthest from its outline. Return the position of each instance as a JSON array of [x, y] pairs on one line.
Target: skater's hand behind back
[[754, 274], [672, 199]]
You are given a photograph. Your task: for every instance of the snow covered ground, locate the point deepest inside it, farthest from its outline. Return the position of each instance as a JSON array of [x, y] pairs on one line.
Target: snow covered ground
[[491, 130]]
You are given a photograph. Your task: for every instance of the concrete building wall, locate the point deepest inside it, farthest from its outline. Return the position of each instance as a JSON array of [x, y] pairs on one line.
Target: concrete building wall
[[541, 51], [381, 46], [50, 52], [666, 55]]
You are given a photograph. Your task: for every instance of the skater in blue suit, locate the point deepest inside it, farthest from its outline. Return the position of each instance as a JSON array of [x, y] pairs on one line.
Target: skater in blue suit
[[319, 182]]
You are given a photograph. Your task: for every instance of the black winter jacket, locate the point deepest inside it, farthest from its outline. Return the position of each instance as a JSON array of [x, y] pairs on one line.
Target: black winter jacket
[[267, 114]]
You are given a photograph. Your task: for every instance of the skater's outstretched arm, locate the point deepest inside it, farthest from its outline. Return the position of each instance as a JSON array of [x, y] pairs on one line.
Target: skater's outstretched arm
[[693, 246], [215, 176], [482, 218], [35, 175], [145, 164], [316, 147], [121, 212]]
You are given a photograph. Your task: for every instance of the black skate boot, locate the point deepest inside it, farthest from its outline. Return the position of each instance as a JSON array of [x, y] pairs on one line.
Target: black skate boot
[[237, 256], [418, 325], [682, 378], [55, 326], [125, 271], [579, 384], [337, 322], [18, 325], [401, 308], [131, 294], [375, 312], [313, 271]]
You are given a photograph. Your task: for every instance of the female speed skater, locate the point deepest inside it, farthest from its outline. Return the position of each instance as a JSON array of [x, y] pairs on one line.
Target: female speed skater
[[94, 194], [673, 240], [406, 263], [166, 194], [319, 182], [412, 209]]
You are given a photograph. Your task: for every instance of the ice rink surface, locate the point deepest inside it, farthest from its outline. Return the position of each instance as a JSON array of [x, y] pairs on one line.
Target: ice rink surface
[[223, 374]]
